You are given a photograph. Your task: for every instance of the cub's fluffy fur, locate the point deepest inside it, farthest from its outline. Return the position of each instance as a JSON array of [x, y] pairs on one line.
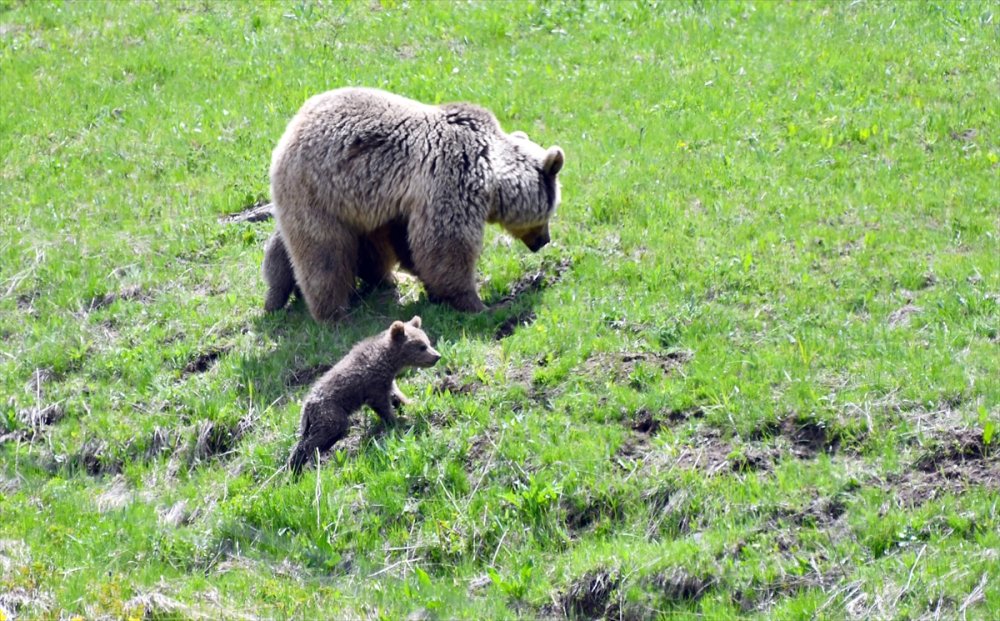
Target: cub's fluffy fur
[[365, 376], [364, 180]]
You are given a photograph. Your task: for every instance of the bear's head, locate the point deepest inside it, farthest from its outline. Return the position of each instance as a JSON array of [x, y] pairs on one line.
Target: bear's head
[[528, 191], [412, 343]]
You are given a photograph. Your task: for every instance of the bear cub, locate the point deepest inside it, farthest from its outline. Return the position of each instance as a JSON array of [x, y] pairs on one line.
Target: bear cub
[[365, 376]]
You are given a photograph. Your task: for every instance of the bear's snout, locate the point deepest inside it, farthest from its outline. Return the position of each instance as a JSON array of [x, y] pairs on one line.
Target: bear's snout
[[431, 356], [534, 238], [538, 242]]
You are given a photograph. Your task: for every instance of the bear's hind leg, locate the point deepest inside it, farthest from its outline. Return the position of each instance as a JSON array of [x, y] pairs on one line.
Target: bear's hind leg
[[325, 268], [325, 426]]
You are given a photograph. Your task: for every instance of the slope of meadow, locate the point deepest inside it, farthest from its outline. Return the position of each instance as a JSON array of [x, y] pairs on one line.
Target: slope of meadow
[[755, 374]]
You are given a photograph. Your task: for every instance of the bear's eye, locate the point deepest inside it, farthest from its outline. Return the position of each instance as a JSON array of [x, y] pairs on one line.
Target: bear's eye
[[423, 347]]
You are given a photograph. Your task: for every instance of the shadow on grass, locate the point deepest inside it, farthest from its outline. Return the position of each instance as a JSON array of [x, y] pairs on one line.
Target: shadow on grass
[[304, 349]]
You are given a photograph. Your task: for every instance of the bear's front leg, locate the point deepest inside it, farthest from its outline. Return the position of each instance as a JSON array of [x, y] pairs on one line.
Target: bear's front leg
[[447, 267], [382, 405], [398, 396]]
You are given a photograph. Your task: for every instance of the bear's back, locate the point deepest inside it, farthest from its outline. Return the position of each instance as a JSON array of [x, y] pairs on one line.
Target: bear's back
[[368, 156], [366, 370]]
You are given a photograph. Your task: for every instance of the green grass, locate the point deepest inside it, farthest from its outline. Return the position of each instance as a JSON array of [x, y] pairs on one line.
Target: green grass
[[760, 380]]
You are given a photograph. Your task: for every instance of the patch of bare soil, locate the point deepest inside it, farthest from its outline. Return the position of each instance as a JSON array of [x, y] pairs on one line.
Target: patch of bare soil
[[959, 460], [451, 383], [680, 586], [548, 275], [204, 361], [33, 422], [508, 326], [132, 292], [590, 596], [901, 316], [649, 422], [759, 596], [94, 458], [621, 366], [809, 438], [161, 441], [215, 439], [706, 451], [26, 302], [582, 512], [258, 212]]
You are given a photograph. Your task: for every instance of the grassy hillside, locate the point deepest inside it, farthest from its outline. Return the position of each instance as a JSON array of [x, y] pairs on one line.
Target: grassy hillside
[[756, 374]]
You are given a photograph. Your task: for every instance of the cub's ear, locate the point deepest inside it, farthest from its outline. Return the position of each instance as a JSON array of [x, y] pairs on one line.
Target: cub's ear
[[397, 330], [553, 161], [415, 322], [519, 135]]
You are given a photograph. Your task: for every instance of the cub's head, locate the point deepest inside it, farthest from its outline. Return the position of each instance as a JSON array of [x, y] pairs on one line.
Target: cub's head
[[528, 192], [414, 346]]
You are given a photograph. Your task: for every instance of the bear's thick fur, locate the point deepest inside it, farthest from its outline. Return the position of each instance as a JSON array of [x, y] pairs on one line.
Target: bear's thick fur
[[364, 180], [365, 376]]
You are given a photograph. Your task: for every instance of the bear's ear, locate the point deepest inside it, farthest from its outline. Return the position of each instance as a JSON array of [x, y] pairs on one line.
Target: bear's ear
[[519, 135], [415, 322], [553, 161], [397, 330]]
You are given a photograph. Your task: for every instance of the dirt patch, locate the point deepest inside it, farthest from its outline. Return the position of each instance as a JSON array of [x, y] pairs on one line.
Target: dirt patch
[[306, 376], [452, 384], [966, 135], [809, 438], [132, 292], [258, 212], [705, 451], [590, 596], [901, 316], [39, 379], [508, 326], [645, 421], [214, 439], [962, 446], [41, 416], [582, 512], [481, 448], [760, 596], [622, 366], [161, 440], [204, 361], [549, 274], [677, 585], [958, 461], [94, 458], [31, 422]]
